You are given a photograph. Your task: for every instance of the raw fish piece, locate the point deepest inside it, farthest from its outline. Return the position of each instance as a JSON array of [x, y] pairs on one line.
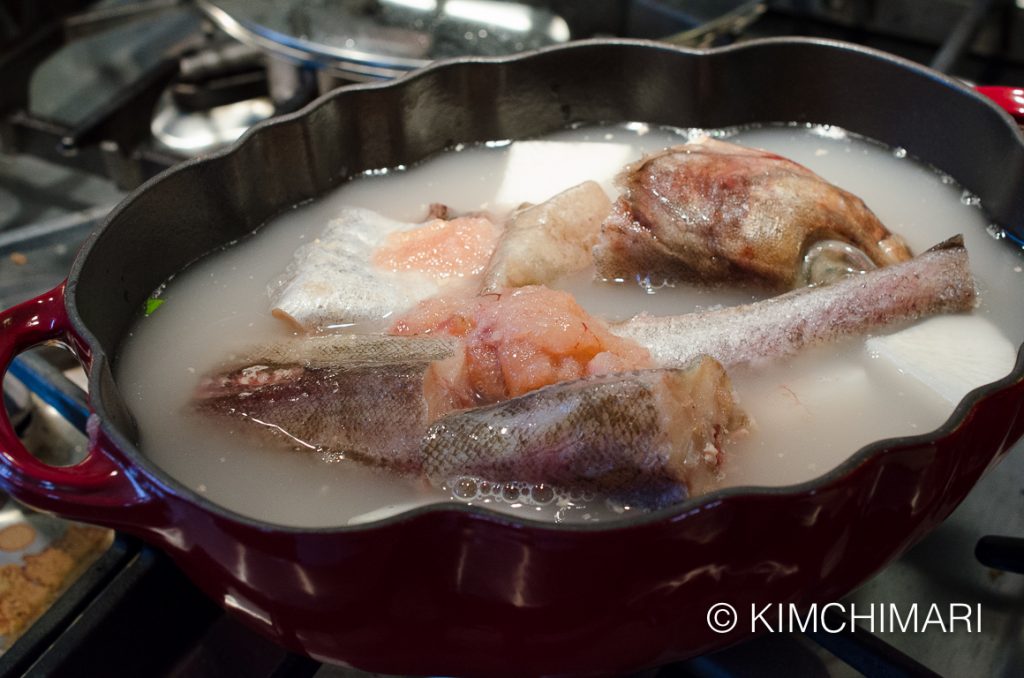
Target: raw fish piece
[[517, 341], [359, 269], [455, 248], [332, 280], [711, 211], [546, 241], [651, 437], [938, 281], [354, 394], [646, 436]]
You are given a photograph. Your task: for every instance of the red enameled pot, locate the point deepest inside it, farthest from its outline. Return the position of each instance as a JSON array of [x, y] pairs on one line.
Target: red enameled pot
[[456, 590]]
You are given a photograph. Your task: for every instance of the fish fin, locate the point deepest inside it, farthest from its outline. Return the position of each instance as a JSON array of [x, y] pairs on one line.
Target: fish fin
[[955, 242]]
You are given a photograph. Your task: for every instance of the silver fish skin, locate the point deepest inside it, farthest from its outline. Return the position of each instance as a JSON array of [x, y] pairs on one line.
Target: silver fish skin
[[341, 350], [332, 280], [711, 211], [358, 395], [937, 281], [650, 437]]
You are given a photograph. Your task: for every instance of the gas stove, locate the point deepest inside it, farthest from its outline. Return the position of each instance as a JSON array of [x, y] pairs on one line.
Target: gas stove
[[100, 96]]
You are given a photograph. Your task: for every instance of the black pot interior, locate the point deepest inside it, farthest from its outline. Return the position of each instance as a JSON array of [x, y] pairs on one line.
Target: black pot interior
[[202, 205]]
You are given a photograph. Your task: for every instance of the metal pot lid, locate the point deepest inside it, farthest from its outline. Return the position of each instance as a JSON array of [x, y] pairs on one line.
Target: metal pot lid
[[190, 133], [372, 39]]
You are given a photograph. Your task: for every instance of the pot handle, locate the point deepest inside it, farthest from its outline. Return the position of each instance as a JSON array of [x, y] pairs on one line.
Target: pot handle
[[88, 490], [1010, 99]]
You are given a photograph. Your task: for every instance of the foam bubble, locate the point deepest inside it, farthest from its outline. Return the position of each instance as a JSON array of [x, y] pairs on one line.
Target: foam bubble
[[969, 199], [471, 489]]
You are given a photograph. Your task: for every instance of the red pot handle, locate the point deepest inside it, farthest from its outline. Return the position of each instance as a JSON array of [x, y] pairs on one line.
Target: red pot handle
[[1010, 99], [95, 487]]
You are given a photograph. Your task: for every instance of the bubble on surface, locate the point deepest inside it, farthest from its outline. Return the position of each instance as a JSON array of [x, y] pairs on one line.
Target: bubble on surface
[[969, 199], [471, 489], [996, 231]]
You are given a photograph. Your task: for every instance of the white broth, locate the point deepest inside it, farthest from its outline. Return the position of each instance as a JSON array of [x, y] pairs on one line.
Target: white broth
[[810, 412]]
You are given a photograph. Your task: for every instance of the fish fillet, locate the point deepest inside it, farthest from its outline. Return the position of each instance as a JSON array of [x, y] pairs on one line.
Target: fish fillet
[[712, 211], [650, 437], [937, 281], [365, 267], [544, 242], [442, 248]]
